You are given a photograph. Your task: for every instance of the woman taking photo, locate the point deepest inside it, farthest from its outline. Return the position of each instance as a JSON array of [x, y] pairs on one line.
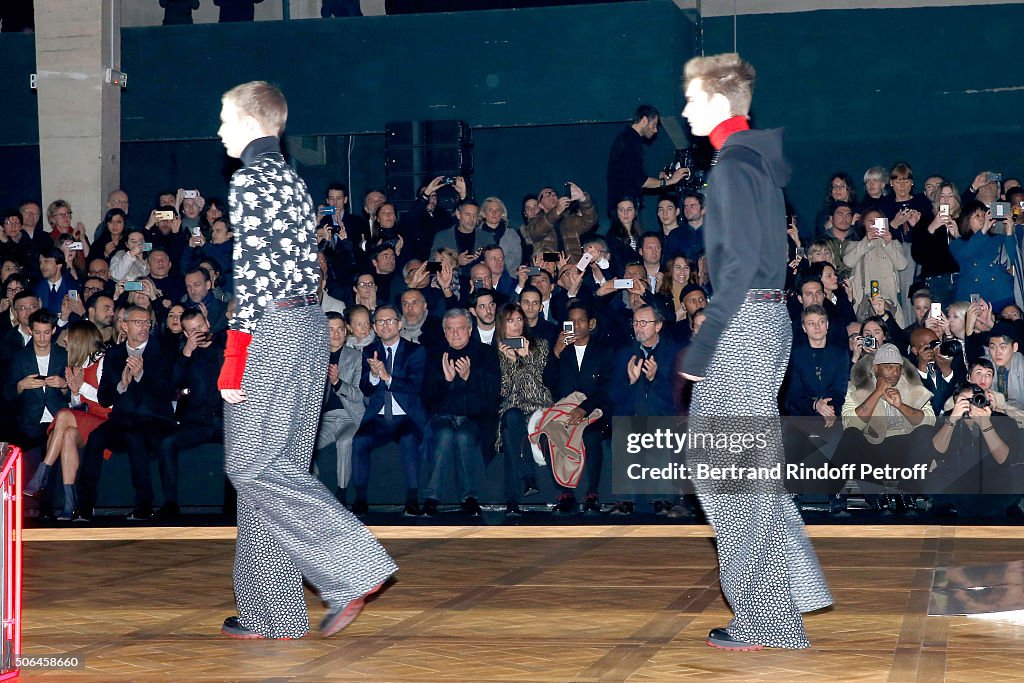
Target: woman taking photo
[[979, 253], [71, 428], [930, 247], [112, 239], [522, 360]]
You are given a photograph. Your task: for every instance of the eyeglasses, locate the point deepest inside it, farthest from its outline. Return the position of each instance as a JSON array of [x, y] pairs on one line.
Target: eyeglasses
[[366, 284], [643, 323], [547, 193], [65, 214], [839, 186], [140, 323], [386, 321]]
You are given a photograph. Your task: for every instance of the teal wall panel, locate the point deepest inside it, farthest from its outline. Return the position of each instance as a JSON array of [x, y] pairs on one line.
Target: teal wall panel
[[19, 113]]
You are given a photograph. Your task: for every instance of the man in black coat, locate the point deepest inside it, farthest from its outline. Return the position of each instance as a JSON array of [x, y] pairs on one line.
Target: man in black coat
[[136, 384], [461, 386], [582, 363], [200, 410]]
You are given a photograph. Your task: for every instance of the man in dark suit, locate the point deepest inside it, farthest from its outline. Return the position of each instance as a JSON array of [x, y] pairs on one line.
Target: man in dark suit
[[200, 410], [55, 283], [531, 301], [136, 383], [36, 380], [392, 377], [583, 364], [461, 385]]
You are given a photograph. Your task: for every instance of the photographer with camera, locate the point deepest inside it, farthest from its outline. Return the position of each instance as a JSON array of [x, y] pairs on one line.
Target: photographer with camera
[[975, 448], [626, 175], [939, 363]]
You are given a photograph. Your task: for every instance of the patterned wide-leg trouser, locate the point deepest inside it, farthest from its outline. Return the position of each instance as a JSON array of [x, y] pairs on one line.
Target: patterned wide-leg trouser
[[289, 525], [768, 568]]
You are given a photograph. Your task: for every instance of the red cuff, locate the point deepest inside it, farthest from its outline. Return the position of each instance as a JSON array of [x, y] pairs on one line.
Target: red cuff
[[235, 354]]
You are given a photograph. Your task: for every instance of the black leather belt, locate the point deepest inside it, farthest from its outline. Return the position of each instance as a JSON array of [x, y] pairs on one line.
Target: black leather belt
[[297, 301], [762, 295]]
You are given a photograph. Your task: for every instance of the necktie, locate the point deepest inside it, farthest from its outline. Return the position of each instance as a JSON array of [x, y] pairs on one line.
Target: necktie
[[389, 411]]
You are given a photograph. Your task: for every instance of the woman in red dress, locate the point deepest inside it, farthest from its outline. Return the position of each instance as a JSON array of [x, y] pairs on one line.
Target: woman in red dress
[[71, 427]]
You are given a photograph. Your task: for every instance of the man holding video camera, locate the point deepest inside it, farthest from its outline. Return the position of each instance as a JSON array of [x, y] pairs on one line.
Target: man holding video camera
[[626, 175]]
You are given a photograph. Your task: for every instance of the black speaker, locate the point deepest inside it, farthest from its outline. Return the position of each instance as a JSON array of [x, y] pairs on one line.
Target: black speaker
[[418, 151], [436, 160], [428, 133]]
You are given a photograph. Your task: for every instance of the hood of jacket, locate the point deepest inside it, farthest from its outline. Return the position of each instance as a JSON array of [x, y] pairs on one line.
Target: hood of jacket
[[767, 144]]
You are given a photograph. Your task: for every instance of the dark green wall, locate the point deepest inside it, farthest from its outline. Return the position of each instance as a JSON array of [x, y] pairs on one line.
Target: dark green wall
[[938, 87], [854, 88]]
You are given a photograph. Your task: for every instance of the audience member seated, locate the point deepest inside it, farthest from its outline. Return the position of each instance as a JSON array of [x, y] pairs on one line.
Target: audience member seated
[[166, 233], [531, 301], [624, 234], [884, 405], [975, 449], [931, 245], [643, 375], [55, 283], [522, 361], [35, 381], [115, 223], [940, 374], [875, 263], [1002, 350], [360, 327], [218, 249], [72, 426], [502, 281], [561, 222], [200, 295], [25, 303], [136, 384], [585, 365], [496, 228], [418, 323], [130, 263], [460, 385], [978, 253], [343, 409], [819, 370], [364, 291], [392, 380], [484, 311], [200, 409], [680, 270]]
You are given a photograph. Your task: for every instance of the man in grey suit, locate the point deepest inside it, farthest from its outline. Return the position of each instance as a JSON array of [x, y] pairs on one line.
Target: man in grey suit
[[343, 407]]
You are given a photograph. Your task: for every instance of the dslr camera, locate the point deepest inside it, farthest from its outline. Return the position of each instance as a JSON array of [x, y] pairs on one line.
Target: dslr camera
[[979, 398]]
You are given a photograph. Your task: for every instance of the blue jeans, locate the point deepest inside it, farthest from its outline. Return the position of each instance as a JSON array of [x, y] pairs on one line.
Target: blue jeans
[[455, 443]]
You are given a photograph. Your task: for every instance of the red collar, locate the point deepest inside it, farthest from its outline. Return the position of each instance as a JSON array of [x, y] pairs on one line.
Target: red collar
[[726, 128]]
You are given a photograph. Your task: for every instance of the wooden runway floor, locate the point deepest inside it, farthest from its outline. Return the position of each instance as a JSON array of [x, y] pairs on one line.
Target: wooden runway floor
[[597, 603]]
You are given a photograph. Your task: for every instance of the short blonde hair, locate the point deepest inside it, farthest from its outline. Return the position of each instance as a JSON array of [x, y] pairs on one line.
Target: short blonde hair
[[263, 102], [726, 74]]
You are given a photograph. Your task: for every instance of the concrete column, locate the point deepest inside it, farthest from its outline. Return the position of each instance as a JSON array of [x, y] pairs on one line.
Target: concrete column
[[79, 114]]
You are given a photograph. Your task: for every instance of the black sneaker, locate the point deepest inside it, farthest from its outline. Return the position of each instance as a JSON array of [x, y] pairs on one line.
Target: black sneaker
[[141, 514], [662, 507], [512, 510], [531, 488], [591, 504], [81, 517], [430, 507], [360, 508], [565, 505], [471, 507], [412, 509]]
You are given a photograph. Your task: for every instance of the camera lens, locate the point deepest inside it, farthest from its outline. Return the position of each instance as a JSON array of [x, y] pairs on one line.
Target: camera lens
[[979, 399]]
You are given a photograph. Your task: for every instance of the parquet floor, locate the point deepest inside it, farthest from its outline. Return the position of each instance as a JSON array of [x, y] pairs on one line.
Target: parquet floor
[[597, 603]]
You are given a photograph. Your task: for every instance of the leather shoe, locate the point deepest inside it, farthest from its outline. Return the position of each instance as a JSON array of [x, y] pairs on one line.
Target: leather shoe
[[233, 627], [621, 508], [141, 514], [512, 510], [531, 488], [591, 505], [430, 507], [471, 507], [360, 508], [565, 505], [720, 638], [412, 509]]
